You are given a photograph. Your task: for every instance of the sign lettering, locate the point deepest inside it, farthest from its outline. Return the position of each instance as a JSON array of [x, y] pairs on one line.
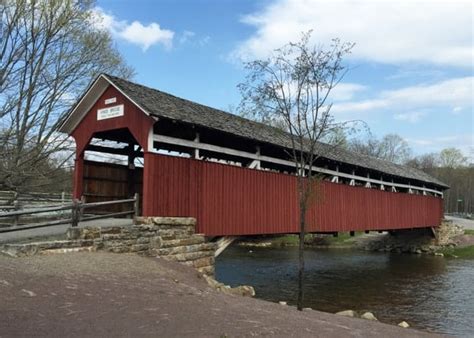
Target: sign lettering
[[111, 100], [110, 112]]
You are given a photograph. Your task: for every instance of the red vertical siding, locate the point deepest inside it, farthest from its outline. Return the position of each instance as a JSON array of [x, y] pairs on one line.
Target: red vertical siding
[[133, 119], [78, 175], [230, 200]]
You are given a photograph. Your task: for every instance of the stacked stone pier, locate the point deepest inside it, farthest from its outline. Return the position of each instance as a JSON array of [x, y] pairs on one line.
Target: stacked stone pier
[[170, 238], [175, 240]]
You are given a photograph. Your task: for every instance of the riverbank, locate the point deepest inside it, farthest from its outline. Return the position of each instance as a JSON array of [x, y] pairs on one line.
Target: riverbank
[[464, 246], [102, 294]]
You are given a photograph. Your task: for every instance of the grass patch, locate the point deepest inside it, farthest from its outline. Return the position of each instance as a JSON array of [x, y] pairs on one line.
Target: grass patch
[[344, 238], [469, 232], [465, 252], [315, 240], [287, 240]]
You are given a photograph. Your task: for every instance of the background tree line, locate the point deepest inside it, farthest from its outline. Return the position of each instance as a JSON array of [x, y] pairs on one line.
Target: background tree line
[[449, 166]]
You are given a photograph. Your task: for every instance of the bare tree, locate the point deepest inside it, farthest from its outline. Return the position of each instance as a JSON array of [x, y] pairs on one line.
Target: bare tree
[[50, 51], [391, 147], [369, 146], [452, 158], [293, 85], [454, 171], [395, 149], [425, 162]]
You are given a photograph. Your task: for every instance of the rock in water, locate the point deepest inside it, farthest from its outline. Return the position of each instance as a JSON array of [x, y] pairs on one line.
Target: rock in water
[[347, 313], [29, 293], [282, 303], [404, 324], [246, 290], [369, 316]]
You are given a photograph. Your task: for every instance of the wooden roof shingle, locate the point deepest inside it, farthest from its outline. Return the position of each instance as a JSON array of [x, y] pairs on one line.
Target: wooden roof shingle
[[165, 105]]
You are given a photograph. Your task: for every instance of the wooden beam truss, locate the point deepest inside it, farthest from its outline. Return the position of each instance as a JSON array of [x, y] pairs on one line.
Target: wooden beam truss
[[256, 159]]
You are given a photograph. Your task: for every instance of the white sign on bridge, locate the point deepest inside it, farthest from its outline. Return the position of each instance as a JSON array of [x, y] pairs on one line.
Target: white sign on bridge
[[111, 112]]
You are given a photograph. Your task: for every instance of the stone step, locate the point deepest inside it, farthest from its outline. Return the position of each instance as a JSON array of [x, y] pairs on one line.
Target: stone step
[[166, 221], [203, 262], [190, 256], [175, 233], [156, 227], [186, 249], [195, 239], [207, 270], [68, 250]]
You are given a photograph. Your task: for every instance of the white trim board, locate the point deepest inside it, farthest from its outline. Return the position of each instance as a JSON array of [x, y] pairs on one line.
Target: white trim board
[[254, 156], [96, 89]]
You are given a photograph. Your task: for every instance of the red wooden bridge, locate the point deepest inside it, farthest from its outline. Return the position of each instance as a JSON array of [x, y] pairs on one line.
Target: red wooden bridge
[[233, 175]]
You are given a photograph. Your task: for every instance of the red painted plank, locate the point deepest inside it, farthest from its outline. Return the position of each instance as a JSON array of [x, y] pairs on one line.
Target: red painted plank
[[229, 200], [133, 119]]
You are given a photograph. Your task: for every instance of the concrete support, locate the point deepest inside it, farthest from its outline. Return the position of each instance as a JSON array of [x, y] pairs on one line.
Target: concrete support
[[223, 243]]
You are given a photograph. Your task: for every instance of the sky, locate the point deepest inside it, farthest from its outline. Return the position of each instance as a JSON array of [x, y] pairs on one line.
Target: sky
[[410, 71]]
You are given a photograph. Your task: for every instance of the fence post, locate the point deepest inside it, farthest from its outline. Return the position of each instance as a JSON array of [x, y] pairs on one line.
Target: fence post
[[81, 207], [75, 213], [16, 207], [136, 206]]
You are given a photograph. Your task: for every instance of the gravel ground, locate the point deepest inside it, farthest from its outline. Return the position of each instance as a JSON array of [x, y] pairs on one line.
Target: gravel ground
[[120, 295], [465, 223]]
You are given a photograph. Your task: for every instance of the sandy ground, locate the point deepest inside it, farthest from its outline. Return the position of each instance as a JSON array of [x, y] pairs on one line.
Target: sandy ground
[[120, 295]]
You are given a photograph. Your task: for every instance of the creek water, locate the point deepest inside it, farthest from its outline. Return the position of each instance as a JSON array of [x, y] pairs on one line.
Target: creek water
[[431, 293]]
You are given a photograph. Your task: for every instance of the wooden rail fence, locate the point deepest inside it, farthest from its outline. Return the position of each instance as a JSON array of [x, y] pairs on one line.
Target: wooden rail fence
[[77, 214], [14, 200]]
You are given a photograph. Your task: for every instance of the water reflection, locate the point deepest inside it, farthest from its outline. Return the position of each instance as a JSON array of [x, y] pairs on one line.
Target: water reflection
[[429, 292]]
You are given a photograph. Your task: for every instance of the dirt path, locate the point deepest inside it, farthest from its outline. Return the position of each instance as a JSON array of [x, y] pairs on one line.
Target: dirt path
[[99, 294]]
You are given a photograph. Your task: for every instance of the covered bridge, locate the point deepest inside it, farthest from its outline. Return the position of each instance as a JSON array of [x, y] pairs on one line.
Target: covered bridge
[[232, 174]]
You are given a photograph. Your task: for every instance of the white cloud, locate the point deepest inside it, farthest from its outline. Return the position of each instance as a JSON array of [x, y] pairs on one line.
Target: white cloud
[[186, 36], [360, 106], [192, 38], [454, 94], [464, 142], [146, 36], [204, 41], [137, 33], [456, 91], [387, 31], [345, 91], [411, 117]]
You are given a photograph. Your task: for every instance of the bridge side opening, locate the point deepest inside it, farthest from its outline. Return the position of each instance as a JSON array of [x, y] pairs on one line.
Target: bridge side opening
[[112, 169]]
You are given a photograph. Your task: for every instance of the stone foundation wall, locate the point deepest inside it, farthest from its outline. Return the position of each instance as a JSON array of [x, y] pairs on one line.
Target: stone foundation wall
[[415, 241], [170, 238]]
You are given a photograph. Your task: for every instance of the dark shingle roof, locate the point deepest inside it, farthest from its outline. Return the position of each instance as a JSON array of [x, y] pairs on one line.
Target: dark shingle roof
[[166, 105]]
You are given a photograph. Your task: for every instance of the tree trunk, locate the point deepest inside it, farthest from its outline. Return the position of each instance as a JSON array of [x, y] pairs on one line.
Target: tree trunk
[[301, 257]]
